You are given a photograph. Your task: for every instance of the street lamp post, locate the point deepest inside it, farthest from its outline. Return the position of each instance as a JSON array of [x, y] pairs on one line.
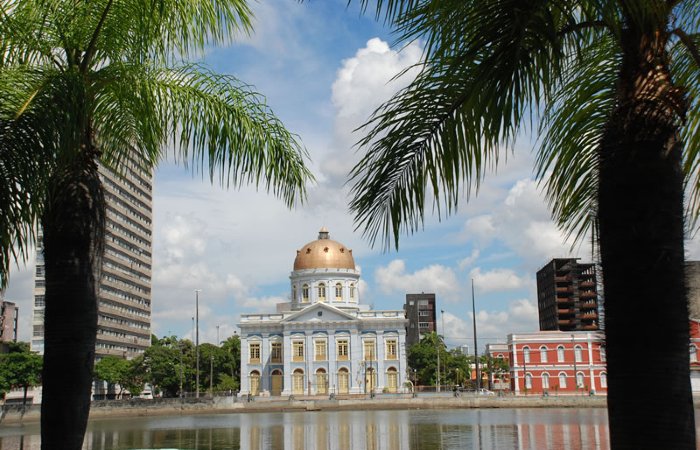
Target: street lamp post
[[444, 336], [476, 347], [211, 376], [196, 293], [217, 336]]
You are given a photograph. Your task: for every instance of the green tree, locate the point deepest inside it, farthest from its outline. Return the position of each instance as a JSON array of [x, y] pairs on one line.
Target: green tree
[[111, 369], [232, 345], [422, 356], [614, 86], [109, 81], [128, 374], [163, 367], [20, 369]]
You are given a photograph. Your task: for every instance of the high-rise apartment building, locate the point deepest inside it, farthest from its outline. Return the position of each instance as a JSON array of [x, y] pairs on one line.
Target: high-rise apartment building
[[566, 296], [9, 313], [124, 309], [421, 314]]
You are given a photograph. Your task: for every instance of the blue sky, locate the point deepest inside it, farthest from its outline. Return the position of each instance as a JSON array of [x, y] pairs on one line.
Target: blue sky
[[323, 69]]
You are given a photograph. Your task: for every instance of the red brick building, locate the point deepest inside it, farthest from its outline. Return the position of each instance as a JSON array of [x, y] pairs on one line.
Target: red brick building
[[558, 362]]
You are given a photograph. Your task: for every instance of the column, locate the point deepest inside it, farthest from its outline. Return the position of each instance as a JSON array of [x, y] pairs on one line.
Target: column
[[287, 359]]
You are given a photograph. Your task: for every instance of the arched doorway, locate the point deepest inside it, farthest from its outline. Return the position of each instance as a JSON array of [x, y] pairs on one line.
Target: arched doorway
[[298, 382], [321, 381], [254, 381], [343, 381], [370, 380], [392, 379], [277, 383]]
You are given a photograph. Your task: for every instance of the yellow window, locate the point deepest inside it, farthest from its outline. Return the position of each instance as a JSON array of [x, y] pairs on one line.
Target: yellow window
[[254, 353], [298, 351]]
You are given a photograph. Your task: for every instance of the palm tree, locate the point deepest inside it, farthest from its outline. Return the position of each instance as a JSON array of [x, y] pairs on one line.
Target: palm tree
[[612, 88], [109, 81]]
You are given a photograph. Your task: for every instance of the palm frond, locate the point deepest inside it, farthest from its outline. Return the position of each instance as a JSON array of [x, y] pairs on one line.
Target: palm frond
[[455, 118], [572, 126], [216, 123]]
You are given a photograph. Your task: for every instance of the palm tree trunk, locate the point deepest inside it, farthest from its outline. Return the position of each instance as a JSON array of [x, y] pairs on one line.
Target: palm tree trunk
[[73, 226], [646, 314]]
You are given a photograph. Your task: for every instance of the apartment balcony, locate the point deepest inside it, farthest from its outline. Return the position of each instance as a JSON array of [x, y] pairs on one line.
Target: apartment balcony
[[587, 305], [564, 290], [566, 322], [587, 294], [561, 279], [587, 284], [589, 316], [564, 300], [589, 327], [566, 311]]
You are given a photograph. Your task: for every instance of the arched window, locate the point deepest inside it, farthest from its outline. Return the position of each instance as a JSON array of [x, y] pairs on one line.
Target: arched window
[[305, 293], [254, 379], [603, 380], [578, 353], [338, 292], [298, 381], [294, 293], [543, 353], [392, 379], [580, 380], [321, 382], [528, 381], [321, 292], [352, 292], [343, 381], [560, 353], [545, 380], [526, 354], [693, 353], [562, 380], [602, 354], [500, 355]]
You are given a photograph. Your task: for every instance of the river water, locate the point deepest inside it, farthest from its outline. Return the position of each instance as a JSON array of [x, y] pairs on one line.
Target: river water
[[487, 429]]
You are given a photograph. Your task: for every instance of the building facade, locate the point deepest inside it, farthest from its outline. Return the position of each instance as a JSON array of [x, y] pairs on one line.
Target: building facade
[[324, 341], [124, 299], [557, 362], [9, 314], [567, 297], [421, 315]]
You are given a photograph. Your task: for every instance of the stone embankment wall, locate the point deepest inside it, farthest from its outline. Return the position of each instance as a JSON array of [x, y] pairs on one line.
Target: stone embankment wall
[[220, 405]]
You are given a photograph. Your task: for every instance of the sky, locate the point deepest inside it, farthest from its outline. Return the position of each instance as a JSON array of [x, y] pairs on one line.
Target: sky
[[324, 67]]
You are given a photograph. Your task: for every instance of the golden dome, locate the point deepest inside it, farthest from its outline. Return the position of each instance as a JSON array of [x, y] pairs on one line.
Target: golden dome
[[324, 253]]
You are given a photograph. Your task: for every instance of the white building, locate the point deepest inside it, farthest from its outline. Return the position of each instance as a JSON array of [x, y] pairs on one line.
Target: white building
[[324, 340]]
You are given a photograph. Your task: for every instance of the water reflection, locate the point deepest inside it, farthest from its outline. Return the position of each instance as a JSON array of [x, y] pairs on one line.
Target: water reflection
[[521, 429]]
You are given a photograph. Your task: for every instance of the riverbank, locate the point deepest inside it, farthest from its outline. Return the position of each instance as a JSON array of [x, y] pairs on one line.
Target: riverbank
[[226, 405]]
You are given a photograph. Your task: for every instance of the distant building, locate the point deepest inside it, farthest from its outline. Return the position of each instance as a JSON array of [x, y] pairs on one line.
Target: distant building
[[464, 349], [557, 361], [9, 314], [324, 341], [124, 298], [567, 299], [692, 280], [421, 315], [500, 351]]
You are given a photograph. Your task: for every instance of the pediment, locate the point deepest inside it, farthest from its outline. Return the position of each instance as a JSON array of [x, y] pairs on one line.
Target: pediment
[[320, 312]]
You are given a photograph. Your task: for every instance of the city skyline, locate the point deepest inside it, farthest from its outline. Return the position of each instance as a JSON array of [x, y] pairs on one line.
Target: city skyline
[[324, 68]]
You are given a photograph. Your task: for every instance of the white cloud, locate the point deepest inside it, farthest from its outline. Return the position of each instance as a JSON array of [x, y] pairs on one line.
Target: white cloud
[[263, 304], [522, 222], [435, 278], [468, 261], [498, 280], [362, 84], [521, 317]]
